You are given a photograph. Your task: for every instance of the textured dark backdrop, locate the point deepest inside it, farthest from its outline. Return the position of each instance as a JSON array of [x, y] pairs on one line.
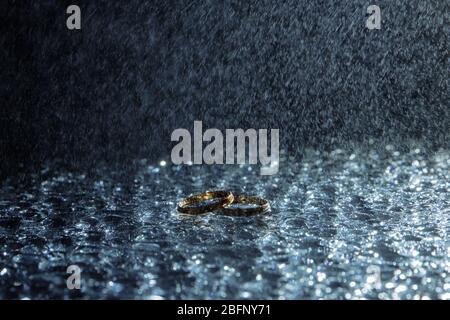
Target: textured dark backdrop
[[140, 69]]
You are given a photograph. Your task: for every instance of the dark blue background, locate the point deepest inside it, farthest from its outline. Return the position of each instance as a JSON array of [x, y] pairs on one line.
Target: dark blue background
[[114, 91]]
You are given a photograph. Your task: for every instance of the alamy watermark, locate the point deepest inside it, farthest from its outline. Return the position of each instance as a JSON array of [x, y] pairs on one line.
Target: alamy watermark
[[374, 20], [74, 280], [236, 142], [73, 22]]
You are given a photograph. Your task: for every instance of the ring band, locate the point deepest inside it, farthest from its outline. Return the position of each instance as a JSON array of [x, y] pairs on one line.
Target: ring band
[[263, 206], [225, 199]]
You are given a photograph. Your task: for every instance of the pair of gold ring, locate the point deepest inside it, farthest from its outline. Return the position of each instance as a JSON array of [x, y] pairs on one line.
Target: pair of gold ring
[[225, 200]]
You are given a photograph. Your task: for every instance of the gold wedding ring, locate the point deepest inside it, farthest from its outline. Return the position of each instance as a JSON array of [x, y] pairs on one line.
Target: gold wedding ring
[[224, 198], [262, 206]]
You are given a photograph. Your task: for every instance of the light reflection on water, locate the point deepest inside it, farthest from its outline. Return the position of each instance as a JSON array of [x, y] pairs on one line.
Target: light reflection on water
[[343, 225]]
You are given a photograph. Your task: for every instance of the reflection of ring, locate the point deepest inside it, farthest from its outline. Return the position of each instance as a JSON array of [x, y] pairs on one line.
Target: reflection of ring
[[262, 206], [225, 198]]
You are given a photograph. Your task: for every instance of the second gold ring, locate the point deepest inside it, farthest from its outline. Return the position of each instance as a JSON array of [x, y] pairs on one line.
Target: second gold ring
[[247, 206]]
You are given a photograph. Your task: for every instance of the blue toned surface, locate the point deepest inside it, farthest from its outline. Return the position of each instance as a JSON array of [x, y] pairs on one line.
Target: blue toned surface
[[343, 225]]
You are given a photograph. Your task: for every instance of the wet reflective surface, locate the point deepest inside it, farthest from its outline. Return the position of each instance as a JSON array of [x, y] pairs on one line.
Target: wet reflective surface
[[343, 225]]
